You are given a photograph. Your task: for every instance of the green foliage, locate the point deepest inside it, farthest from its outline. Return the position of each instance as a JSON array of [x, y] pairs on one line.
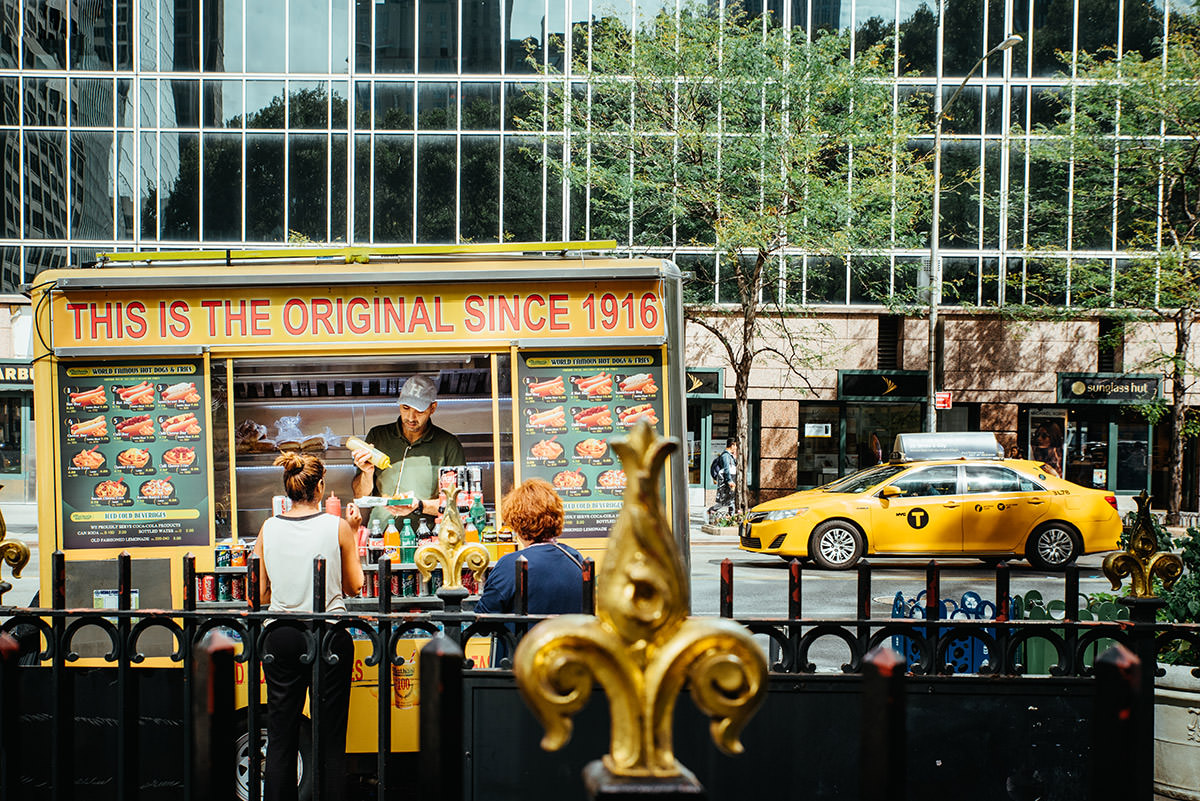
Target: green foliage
[[1133, 116], [1183, 599], [751, 138]]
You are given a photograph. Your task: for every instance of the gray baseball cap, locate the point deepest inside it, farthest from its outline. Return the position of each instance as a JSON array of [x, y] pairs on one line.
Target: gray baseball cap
[[418, 392]]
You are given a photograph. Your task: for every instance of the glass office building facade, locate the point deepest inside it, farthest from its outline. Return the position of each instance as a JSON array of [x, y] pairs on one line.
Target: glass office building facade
[[156, 124], [182, 124]]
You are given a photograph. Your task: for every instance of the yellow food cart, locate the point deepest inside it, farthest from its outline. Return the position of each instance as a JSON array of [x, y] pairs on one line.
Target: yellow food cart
[[167, 383]]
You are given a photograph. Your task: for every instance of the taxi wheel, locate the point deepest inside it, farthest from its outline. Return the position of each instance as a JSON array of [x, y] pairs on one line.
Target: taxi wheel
[[1053, 546], [836, 545], [242, 750]]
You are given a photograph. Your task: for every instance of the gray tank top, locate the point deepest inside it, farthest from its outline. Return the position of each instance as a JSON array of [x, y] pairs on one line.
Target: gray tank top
[[289, 546]]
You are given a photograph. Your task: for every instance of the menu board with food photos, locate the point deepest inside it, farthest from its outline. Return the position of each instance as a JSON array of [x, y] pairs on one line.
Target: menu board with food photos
[[571, 406], [134, 454]]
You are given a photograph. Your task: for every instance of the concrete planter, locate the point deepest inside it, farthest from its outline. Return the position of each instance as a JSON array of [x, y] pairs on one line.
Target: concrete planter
[[1177, 734], [719, 531]]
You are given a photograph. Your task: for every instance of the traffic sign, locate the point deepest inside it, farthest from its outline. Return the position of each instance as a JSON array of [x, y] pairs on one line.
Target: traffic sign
[[942, 400]]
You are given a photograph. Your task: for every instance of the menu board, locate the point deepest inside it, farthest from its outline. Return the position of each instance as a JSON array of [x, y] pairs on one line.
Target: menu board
[[135, 454], [571, 406]]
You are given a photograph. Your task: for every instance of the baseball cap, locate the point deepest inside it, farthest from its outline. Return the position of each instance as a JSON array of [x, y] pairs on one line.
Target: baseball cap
[[418, 392]]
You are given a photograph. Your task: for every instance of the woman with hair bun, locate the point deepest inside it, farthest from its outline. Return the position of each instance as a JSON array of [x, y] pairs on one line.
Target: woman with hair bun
[[287, 545]]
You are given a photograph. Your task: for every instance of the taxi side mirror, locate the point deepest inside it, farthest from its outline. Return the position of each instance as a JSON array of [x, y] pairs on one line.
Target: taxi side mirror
[[890, 492]]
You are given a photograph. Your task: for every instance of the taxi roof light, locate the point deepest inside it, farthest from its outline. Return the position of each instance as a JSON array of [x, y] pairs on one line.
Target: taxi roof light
[[946, 445]]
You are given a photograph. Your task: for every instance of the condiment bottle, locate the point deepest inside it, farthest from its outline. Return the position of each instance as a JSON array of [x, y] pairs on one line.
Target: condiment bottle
[[378, 457], [333, 505]]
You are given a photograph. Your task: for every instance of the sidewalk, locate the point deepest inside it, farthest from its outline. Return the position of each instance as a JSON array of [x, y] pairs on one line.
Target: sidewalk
[[704, 534]]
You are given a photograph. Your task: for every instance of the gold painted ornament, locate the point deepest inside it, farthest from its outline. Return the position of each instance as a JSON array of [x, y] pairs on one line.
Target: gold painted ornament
[[1141, 561], [641, 646], [452, 552]]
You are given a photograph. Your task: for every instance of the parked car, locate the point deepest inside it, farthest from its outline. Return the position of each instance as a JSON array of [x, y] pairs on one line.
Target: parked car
[[928, 501]]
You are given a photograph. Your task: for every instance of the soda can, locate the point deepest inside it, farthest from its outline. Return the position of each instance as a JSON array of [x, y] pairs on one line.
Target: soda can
[[435, 580], [409, 583], [397, 590], [469, 583], [237, 588], [223, 556], [208, 587], [237, 556], [374, 584], [279, 504], [225, 587]]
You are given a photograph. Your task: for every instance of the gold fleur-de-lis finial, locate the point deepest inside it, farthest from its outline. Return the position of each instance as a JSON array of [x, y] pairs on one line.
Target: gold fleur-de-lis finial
[[1141, 561], [15, 553], [641, 646], [451, 551]]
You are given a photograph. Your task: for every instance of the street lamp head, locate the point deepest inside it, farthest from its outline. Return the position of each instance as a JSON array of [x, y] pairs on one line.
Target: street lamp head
[[1013, 40]]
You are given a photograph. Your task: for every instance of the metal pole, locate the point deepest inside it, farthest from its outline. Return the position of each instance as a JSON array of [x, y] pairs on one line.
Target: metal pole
[[935, 257]]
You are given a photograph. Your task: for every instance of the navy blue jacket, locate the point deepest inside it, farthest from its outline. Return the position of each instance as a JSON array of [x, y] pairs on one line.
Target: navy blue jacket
[[555, 582]]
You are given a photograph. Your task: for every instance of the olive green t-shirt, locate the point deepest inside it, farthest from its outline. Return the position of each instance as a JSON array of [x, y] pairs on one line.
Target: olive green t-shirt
[[414, 465]]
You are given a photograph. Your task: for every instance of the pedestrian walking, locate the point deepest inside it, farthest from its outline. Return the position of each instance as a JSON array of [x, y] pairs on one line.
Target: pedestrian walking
[[723, 472]]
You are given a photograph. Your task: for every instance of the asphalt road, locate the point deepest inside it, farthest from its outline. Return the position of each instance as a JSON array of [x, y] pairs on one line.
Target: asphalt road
[[760, 583]]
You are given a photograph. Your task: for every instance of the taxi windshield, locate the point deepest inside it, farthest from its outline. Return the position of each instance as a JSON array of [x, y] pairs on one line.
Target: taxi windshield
[[864, 479]]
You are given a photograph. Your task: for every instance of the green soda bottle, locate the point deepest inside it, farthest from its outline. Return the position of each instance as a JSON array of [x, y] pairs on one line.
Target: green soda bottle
[[408, 543]]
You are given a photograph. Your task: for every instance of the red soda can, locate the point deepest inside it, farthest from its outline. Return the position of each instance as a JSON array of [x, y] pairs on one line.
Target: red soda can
[[237, 588], [208, 587], [469, 583], [374, 584], [395, 582]]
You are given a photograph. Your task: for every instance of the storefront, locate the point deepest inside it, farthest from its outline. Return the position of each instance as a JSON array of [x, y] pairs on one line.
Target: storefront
[[858, 430], [711, 421], [1095, 435], [16, 432]]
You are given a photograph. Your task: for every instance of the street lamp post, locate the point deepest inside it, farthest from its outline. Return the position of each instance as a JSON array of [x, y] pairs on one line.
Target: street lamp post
[[935, 260]]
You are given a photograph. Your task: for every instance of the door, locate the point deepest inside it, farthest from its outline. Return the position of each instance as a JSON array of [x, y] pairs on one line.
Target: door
[[1000, 508], [926, 517]]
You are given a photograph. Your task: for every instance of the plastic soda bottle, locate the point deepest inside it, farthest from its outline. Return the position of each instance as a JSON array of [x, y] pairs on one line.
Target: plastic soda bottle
[[391, 537], [478, 515], [408, 543], [423, 531], [375, 541]]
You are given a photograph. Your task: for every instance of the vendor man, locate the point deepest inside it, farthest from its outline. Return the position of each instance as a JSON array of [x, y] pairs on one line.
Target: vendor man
[[417, 449]]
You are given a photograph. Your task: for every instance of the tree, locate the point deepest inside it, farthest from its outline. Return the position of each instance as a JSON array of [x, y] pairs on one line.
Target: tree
[[705, 128], [1138, 118]]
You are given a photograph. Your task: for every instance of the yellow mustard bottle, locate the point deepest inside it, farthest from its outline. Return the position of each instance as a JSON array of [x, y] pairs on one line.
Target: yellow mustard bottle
[[378, 457]]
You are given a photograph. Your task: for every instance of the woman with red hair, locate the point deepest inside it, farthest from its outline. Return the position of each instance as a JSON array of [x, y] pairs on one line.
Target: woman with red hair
[[535, 513]]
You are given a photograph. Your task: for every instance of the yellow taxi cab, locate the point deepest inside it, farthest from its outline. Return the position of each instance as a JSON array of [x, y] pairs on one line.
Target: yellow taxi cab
[[940, 495]]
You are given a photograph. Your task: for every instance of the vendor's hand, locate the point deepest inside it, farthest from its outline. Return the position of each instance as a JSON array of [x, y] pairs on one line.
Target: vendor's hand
[[362, 460], [354, 516]]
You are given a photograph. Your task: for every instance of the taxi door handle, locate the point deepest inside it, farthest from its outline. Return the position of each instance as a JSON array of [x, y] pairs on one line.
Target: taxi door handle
[[1034, 502], [950, 505]]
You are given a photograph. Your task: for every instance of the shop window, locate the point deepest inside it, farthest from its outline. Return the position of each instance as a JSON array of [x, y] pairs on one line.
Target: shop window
[[818, 452], [10, 435], [1133, 456]]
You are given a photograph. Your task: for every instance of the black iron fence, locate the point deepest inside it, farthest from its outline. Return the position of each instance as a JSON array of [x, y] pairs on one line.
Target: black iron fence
[[880, 726]]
